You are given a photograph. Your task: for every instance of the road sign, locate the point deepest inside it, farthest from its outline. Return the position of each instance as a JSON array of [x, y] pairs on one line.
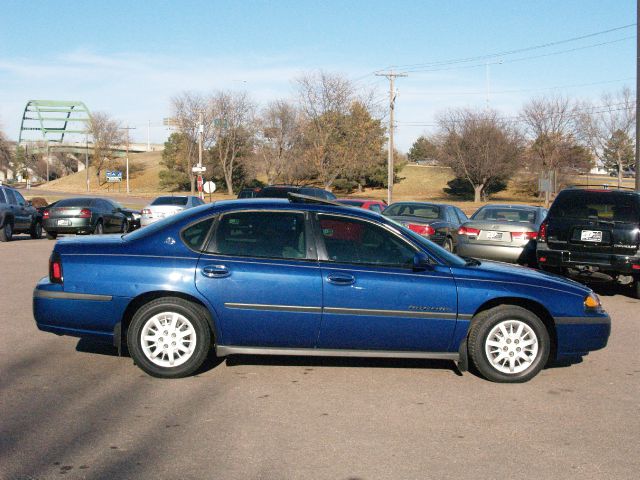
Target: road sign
[[197, 169], [114, 176], [209, 187], [199, 183]]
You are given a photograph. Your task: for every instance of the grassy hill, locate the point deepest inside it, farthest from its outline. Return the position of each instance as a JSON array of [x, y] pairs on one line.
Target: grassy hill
[[417, 183]]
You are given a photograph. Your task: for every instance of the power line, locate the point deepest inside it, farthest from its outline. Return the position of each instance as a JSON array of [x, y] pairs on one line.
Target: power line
[[511, 52], [521, 59]]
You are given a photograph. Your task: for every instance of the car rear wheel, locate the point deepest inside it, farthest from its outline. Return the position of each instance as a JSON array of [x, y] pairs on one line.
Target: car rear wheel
[[99, 230], [636, 287], [6, 232], [124, 228], [169, 338], [36, 230], [508, 344]]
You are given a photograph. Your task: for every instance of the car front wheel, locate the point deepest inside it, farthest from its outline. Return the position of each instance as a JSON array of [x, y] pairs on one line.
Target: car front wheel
[[508, 344], [36, 230], [169, 338]]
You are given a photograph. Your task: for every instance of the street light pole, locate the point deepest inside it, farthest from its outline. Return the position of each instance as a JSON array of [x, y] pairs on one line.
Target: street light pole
[[127, 128], [86, 157], [47, 159]]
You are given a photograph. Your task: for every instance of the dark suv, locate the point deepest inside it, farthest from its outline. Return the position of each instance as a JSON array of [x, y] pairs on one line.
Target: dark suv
[[17, 215], [593, 230], [282, 191]]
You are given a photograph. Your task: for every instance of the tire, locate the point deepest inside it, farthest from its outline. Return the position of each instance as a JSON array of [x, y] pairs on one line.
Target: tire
[[636, 287], [448, 245], [6, 232], [508, 326], [52, 235], [99, 228], [125, 227], [149, 321], [36, 231]]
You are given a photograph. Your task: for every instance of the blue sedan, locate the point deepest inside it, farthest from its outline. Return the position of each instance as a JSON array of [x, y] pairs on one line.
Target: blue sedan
[[309, 277]]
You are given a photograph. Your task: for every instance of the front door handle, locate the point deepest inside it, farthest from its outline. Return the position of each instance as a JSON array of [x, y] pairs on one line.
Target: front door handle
[[341, 279], [215, 271]]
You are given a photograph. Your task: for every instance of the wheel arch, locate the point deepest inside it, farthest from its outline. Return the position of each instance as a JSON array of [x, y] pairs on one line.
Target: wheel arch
[[120, 330], [535, 307]]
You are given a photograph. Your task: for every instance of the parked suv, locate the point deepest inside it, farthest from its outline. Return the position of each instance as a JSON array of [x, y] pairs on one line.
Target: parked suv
[[593, 230], [17, 215], [282, 191]]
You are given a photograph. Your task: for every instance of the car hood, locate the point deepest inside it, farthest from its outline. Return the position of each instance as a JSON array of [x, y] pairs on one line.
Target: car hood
[[507, 272]]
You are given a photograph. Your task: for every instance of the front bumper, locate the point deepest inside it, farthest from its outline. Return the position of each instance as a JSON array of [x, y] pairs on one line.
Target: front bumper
[[581, 335], [602, 262]]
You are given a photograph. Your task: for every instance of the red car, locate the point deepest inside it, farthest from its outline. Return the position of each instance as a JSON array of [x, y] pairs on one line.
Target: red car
[[374, 205]]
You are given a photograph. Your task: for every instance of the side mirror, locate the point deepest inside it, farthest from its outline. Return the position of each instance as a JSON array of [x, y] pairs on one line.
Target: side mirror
[[421, 262]]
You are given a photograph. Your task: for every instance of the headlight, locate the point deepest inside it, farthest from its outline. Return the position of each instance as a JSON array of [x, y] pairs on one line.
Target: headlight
[[592, 301]]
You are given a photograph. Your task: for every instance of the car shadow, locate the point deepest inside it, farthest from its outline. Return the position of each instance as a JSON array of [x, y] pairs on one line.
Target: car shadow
[[89, 345], [350, 362]]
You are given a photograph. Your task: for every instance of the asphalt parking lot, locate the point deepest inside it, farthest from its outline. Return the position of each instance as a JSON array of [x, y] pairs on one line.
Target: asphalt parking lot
[[71, 409]]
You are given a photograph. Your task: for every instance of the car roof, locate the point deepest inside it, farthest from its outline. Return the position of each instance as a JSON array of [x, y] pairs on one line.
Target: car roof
[[423, 203], [360, 200], [266, 203], [506, 205]]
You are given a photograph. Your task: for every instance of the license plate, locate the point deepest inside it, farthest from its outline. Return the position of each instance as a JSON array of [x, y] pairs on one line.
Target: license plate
[[65, 223], [494, 235], [591, 236]]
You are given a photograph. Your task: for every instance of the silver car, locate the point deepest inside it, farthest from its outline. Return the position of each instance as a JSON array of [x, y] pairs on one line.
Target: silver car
[[505, 233], [163, 207]]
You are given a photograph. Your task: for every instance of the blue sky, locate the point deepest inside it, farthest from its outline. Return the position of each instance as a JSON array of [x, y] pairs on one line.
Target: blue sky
[[129, 58]]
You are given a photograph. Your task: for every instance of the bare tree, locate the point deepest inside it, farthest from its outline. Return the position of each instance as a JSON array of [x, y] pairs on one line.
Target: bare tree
[[5, 154], [612, 120], [478, 146], [106, 134], [278, 139], [232, 126]]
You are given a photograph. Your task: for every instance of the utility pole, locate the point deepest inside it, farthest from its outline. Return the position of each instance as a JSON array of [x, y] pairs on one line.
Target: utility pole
[[392, 101], [127, 128], [637, 100], [86, 157], [47, 144], [148, 135], [200, 135]]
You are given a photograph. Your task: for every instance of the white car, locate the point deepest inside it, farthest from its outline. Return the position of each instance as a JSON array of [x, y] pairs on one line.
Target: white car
[[163, 207]]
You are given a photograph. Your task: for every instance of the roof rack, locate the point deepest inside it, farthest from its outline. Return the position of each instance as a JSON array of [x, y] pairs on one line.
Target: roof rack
[[604, 186], [298, 198]]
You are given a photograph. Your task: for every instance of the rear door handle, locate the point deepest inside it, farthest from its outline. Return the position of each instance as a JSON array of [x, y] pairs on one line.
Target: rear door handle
[[215, 271], [341, 279]]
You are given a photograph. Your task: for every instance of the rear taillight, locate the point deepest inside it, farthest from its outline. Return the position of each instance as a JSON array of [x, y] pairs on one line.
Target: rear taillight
[[85, 213], [146, 211], [421, 229], [542, 233], [55, 268], [524, 235], [468, 231], [45, 214]]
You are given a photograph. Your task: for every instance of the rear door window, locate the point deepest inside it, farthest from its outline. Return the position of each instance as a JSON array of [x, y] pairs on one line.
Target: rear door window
[[195, 235], [3, 199], [279, 235]]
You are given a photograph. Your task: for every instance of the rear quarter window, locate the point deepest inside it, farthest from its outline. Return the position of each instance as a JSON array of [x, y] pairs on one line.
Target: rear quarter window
[[2, 197]]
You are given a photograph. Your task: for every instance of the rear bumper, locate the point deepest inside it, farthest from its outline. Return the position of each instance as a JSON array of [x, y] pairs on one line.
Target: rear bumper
[[78, 225], [76, 314], [580, 335], [603, 262], [495, 252]]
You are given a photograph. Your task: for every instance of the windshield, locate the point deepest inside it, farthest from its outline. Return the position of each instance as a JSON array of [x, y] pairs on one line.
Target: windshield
[[170, 201], [426, 211], [164, 223], [447, 257], [497, 214]]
